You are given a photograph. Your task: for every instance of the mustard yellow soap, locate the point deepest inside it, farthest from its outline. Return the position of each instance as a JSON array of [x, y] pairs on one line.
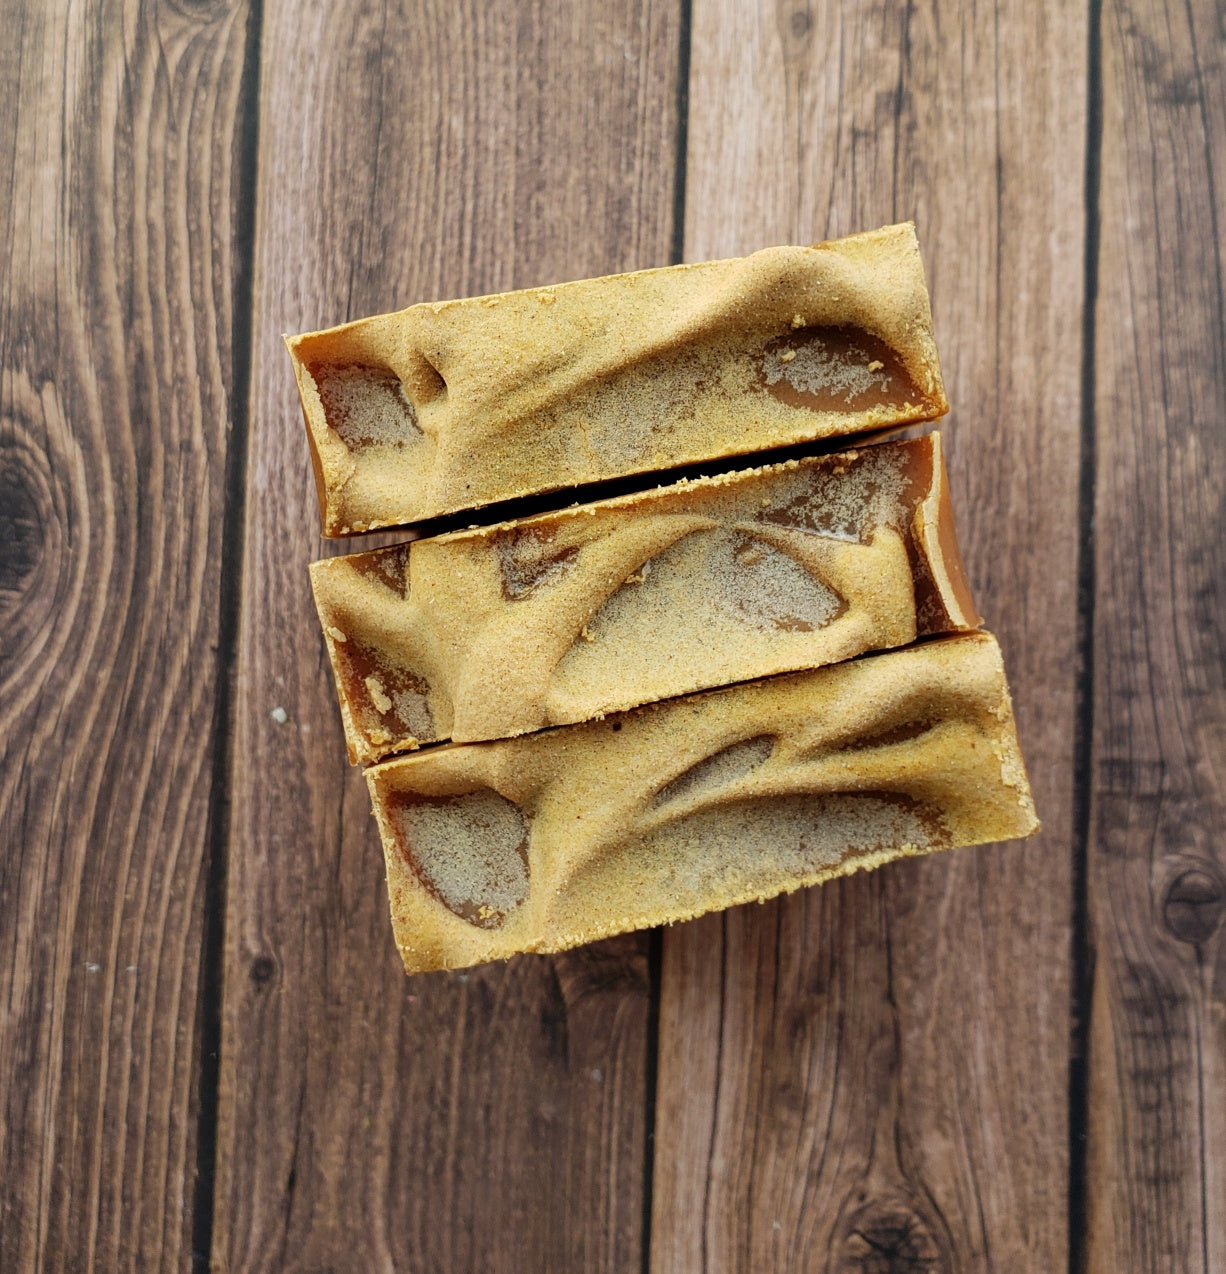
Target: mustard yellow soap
[[457, 404], [558, 838], [501, 630]]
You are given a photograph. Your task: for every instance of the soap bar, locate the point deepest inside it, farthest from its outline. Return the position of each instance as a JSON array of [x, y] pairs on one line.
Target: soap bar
[[457, 404], [660, 814], [497, 631]]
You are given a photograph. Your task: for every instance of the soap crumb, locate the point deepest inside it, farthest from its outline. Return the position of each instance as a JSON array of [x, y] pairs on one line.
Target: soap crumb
[[378, 694], [876, 365], [797, 321], [336, 634], [789, 354], [279, 715]]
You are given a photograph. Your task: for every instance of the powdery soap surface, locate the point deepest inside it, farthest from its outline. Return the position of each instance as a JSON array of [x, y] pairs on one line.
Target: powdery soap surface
[[495, 632], [657, 815], [453, 405]]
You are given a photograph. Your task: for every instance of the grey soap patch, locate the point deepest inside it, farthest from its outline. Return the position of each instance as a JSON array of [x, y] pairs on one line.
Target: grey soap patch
[[903, 732], [365, 406], [387, 567], [834, 369], [383, 695], [768, 589], [738, 574], [815, 370], [470, 851], [529, 560], [751, 842], [845, 499], [719, 769]]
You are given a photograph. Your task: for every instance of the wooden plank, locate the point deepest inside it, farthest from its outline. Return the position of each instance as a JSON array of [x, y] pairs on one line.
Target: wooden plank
[[117, 278], [492, 1120], [1157, 868], [874, 1074]]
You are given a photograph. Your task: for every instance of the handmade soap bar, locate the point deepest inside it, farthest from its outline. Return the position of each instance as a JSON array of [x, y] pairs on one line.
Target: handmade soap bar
[[457, 404], [493, 632], [656, 815]]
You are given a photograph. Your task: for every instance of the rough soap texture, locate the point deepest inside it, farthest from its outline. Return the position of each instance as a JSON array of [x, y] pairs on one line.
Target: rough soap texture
[[495, 632], [661, 814], [457, 404]]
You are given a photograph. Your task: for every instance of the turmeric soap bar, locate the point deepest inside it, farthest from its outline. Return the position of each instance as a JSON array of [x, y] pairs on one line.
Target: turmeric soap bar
[[457, 404], [660, 814], [496, 631]]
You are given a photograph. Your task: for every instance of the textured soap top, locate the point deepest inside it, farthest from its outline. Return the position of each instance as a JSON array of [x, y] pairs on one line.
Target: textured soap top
[[660, 814], [457, 404], [497, 631]]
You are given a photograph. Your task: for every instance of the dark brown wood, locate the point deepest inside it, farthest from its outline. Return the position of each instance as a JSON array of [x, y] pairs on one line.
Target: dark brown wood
[[117, 275], [491, 1120], [870, 1076], [875, 1073], [1157, 878]]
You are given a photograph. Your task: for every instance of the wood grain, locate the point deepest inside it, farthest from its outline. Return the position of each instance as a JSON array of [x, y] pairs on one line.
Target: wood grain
[[1157, 878], [868, 1077], [117, 283], [494, 1120], [874, 1075]]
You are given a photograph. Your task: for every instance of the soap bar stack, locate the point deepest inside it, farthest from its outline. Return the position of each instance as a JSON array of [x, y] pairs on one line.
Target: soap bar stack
[[697, 694]]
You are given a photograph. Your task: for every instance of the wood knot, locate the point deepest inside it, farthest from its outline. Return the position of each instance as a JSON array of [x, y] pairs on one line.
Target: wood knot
[[1193, 904], [617, 966], [201, 12], [263, 970], [21, 529], [795, 24], [890, 1237]]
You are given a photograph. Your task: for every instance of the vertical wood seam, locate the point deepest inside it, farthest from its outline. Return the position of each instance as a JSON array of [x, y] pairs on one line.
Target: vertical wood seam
[[1083, 745], [655, 949], [705, 1264], [1200, 1128], [212, 963], [655, 965], [1202, 99], [685, 25]]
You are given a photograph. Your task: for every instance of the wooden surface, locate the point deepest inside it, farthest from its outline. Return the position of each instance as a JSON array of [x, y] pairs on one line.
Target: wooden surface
[[870, 1098], [1011, 1058], [367, 1121], [1157, 862], [119, 278]]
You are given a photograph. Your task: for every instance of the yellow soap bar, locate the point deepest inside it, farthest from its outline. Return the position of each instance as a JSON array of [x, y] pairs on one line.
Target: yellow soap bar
[[660, 814], [458, 404], [497, 631]]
